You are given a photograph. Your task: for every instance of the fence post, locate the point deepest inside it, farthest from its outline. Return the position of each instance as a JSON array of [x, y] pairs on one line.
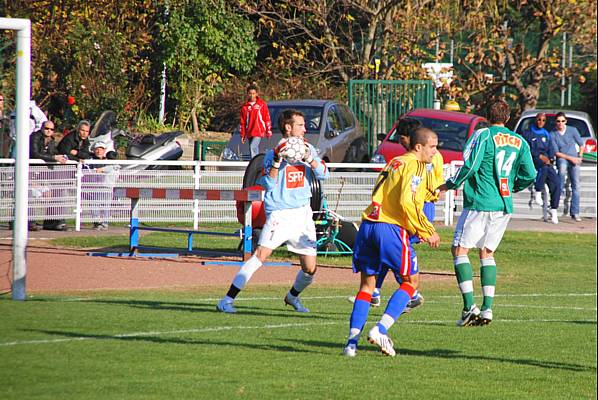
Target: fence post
[[78, 200], [196, 176]]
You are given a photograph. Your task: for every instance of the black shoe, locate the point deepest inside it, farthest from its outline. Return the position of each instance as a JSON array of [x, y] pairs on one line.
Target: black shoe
[[33, 226], [57, 227]]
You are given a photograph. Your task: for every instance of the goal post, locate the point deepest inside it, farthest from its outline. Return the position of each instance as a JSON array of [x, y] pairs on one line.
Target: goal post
[[22, 95]]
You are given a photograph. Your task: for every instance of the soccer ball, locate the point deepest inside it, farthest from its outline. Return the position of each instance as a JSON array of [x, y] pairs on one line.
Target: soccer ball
[[295, 149]]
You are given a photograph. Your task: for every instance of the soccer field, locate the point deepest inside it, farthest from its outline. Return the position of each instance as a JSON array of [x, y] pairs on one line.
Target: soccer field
[[173, 344]]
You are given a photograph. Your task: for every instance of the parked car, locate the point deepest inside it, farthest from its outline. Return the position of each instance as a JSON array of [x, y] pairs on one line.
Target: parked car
[[331, 128], [578, 119], [453, 129]]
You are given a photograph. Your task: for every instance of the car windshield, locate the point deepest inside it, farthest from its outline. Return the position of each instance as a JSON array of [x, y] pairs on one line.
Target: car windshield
[[451, 135], [581, 125], [313, 116]]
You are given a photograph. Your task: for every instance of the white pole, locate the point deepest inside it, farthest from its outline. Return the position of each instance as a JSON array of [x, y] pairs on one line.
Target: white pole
[[570, 67], [163, 77], [23, 91], [563, 71], [162, 95]]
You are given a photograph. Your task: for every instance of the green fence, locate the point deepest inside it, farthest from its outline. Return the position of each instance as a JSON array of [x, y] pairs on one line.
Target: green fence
[[378, 104], [206, 150]]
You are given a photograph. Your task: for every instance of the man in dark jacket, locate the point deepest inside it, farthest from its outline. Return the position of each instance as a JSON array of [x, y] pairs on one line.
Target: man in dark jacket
[[544, 154], [76, 146], [43, 146]]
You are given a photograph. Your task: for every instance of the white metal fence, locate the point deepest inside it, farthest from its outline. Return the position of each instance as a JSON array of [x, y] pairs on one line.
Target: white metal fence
[[83, 192]]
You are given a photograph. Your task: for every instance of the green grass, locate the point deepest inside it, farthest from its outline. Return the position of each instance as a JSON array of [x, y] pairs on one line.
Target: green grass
[[173, 344]]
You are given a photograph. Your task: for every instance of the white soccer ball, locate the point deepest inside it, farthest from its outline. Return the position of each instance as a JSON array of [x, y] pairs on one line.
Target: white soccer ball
[[295, 150]]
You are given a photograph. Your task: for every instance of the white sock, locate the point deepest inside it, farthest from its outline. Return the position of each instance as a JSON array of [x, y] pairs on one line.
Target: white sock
[[302, 280], [246, 272]]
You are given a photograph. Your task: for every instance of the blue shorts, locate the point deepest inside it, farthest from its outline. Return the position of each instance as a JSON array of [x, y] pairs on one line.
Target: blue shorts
[[429, 212], [380, 245]]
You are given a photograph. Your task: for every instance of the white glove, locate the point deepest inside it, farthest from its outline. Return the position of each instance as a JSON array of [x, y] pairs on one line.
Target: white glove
[[308, 157]]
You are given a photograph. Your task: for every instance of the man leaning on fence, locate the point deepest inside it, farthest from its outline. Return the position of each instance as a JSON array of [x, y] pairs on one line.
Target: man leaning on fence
[[42, 145]]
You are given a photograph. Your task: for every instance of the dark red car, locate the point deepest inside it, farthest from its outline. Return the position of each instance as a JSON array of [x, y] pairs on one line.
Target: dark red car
[[453, 129]]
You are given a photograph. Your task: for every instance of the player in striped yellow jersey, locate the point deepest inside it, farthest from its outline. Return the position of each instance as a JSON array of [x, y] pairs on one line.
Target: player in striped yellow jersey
[[395, 214], [405, 127]]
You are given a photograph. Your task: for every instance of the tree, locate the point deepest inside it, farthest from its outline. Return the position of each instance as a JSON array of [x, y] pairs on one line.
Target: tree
[[202, 43], [98, 51], [518, 40], [339, 40]]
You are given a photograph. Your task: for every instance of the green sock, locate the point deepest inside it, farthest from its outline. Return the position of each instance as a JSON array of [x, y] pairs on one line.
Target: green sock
[[488, 278], [464, 274]]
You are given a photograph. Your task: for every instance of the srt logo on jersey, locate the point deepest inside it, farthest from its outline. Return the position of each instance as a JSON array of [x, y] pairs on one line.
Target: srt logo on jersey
[[504, 139], [295, 176], [375, 213], [504, 187], [415, 181]]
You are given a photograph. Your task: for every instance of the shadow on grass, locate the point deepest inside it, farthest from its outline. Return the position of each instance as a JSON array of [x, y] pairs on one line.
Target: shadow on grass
[[199, 307], [453, 354], [161, 340]]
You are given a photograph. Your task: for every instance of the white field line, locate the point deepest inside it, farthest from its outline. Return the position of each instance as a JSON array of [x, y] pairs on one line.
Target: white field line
[[256, 327], [298, 325], [75, 299]]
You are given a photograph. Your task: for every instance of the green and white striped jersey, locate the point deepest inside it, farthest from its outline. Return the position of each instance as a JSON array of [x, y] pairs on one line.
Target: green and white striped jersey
[[496, 163]]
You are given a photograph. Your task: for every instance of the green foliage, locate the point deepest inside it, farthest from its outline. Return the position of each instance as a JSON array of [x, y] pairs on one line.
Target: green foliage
[[94, 74], [203, 42]]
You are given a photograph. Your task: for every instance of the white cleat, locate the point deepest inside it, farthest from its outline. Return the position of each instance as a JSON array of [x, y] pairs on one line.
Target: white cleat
[[538, 198], [486, 317], [470, 317], [295, 303], [350, 350], [382, 341], [554, 218], [226, 306]]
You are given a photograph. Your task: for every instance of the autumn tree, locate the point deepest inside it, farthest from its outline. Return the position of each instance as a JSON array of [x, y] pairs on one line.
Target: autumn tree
[[340, 40], [515, 45]]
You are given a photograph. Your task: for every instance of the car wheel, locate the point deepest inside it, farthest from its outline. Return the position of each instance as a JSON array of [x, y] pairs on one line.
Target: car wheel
[[347, 232], [254, 171]]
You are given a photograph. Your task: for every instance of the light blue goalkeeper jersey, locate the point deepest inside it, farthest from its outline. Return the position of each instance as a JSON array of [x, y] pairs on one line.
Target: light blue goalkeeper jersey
[[292, 188]]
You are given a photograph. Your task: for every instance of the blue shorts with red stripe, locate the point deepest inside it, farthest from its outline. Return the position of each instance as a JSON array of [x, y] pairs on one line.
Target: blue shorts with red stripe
[[380, 245], [429, 212]]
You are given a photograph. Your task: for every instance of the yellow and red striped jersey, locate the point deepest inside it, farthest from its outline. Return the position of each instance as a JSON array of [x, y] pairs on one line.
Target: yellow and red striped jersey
[[399, 194]]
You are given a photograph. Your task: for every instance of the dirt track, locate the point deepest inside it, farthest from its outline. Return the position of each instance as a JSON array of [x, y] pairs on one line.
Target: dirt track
[[52, 269]]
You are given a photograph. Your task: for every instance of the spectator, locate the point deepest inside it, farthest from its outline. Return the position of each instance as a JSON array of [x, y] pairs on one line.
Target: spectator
[[43, 146], [102, 190], [544, 155], [569, 152], [255, 120], [36, 119], [76, 145], [288, 213], [5, 139], [496, 163], [393, 216]]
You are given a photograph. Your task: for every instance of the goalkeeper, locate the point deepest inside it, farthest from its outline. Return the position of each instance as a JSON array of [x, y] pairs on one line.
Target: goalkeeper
[[288, 213]]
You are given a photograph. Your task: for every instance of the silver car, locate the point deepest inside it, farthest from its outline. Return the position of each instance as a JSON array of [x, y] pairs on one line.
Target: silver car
[[331, 128]]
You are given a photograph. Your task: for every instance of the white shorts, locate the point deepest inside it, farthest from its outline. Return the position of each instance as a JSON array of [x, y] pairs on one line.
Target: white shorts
[[481, 229], [294, 226]]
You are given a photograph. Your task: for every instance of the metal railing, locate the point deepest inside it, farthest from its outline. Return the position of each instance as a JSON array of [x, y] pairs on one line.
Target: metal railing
[[83, 193]]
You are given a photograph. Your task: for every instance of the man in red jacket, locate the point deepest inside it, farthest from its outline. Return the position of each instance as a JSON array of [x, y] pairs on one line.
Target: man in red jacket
[[255, 120]]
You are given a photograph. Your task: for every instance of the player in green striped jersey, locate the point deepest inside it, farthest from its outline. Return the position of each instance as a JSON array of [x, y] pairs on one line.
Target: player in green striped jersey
[[496, 163]]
